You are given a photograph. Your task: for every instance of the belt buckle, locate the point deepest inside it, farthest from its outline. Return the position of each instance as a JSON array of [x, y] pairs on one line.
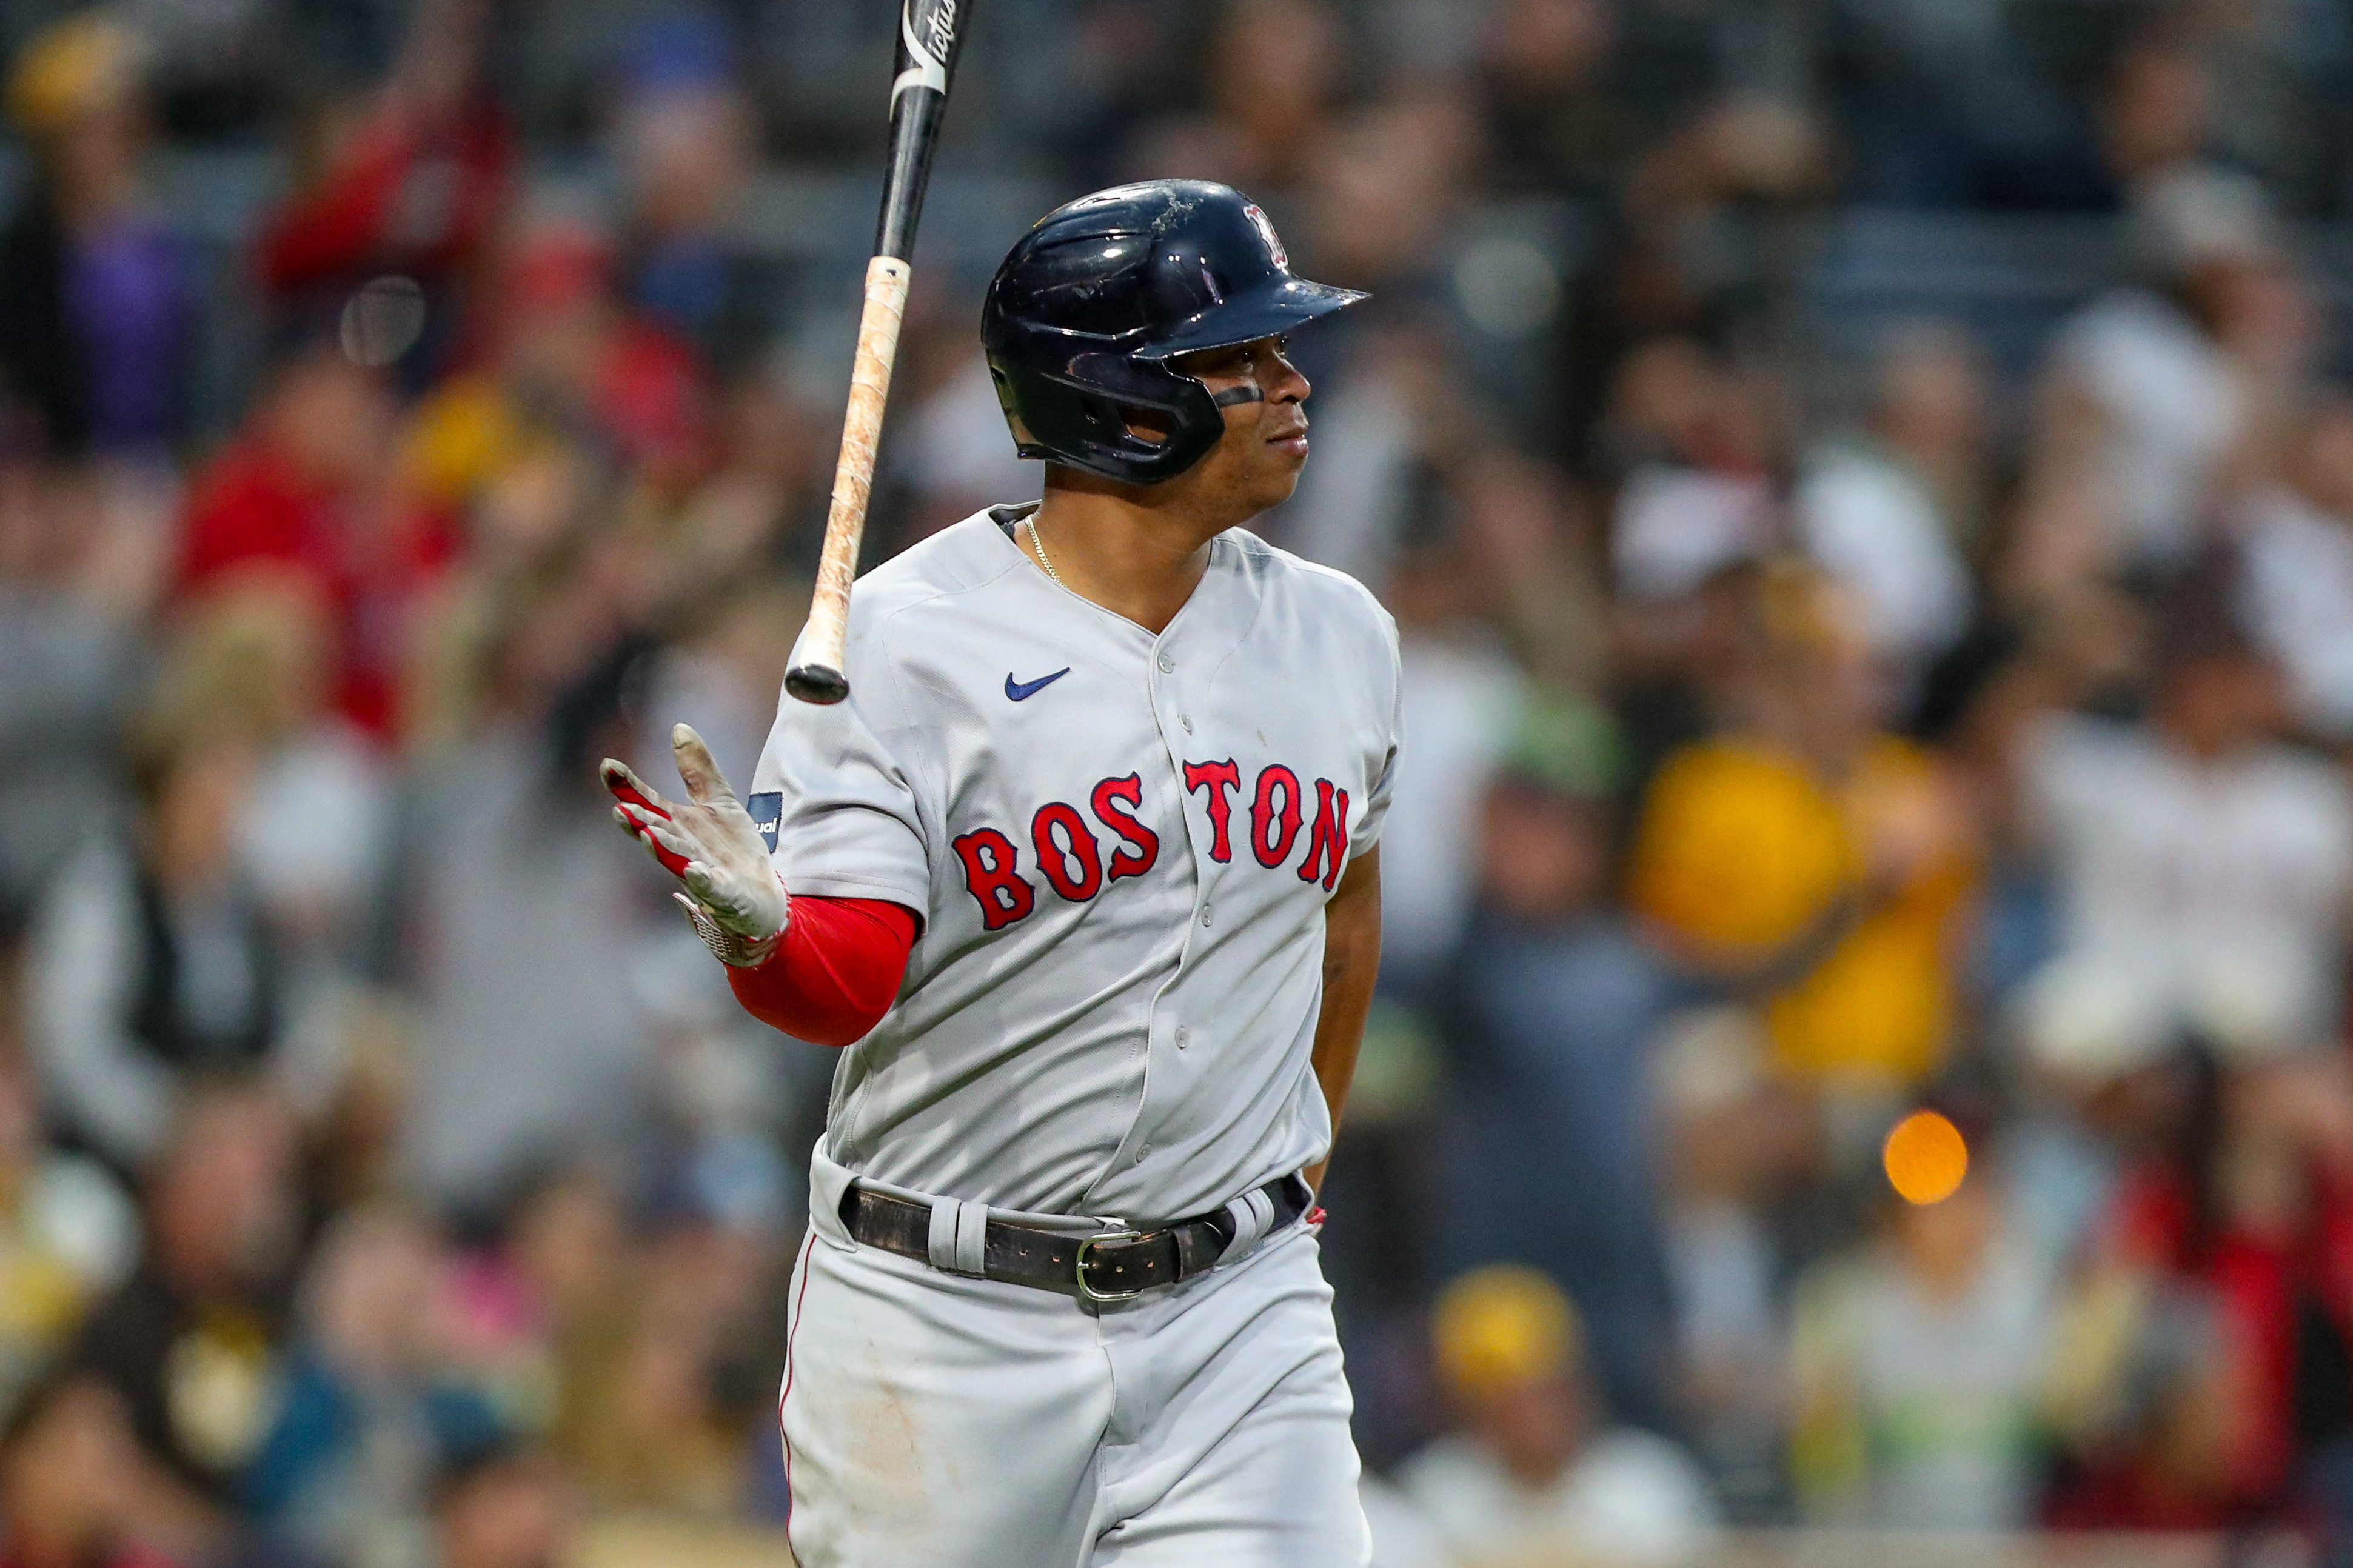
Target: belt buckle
[[1088, 1245]]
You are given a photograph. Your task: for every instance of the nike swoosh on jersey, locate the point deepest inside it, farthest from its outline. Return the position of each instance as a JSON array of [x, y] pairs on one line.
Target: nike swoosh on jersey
[[1022, 691]]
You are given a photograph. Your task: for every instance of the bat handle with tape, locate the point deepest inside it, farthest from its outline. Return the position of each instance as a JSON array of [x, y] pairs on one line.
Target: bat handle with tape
[[815, 673]]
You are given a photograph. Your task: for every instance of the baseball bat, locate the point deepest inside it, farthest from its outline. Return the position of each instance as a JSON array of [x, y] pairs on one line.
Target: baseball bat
[[931, 33]]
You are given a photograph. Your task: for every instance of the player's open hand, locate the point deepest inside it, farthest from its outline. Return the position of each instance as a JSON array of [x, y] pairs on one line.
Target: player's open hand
[[709, 843]]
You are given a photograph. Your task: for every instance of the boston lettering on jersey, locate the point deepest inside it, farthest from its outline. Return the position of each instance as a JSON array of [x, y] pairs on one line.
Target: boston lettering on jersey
[[1069, 857]]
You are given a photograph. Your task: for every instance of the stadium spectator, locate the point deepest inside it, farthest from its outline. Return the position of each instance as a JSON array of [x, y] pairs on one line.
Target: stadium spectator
[[512, 1078], [315, 833], [2201, 868], [1738, 1140], [1691, 439], [1742, 160], [1386, 179], [190, 1342], [97, 303], [1889, 511], [566, 1255], [1536, 1463], [1462, 693], [644, 1421], [1550, 1009], [1919, 1366], [561, 358], [1493, 594], [2157, 107], [682, 135], [310, 490], [152, 966], [413, 181], [1810, 856], [2209, 1350], [366, 1407], [2160, 395], [766, 498], [2296, 534]]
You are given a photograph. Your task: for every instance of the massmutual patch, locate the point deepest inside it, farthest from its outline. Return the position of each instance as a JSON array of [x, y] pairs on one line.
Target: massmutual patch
[[767, 811]]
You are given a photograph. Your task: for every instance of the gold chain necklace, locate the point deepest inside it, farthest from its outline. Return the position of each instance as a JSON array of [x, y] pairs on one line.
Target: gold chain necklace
[[1039, 545]]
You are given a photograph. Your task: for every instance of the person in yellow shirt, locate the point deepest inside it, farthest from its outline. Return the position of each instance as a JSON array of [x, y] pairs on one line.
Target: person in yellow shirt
[[1811, 856]]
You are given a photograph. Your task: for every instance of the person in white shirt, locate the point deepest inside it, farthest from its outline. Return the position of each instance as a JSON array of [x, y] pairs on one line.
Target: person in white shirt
[[2158, 390], [2202, 867], [1535, 1468], [1917, 1369], [1885, 510], [2295, 537]]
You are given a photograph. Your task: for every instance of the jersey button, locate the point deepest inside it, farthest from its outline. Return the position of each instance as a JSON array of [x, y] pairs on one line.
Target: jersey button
[[1185, 720], [1168, 665], [1184, 1038], [1205, 916]]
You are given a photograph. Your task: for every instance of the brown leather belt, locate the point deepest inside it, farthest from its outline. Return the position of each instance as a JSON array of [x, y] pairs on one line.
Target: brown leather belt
[[1110, 1266]]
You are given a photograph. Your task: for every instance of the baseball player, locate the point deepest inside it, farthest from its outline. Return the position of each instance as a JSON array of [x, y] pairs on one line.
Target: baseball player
[[1084, 874]]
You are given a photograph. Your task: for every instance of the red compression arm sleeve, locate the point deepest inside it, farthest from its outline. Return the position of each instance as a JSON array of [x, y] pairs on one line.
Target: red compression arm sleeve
[[835, 972]]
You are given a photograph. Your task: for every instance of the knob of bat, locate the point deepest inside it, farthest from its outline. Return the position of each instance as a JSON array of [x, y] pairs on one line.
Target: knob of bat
[[816, 683]]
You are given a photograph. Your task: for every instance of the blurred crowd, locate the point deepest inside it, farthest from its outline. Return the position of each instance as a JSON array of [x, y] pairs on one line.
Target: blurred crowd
[[1798, 740]]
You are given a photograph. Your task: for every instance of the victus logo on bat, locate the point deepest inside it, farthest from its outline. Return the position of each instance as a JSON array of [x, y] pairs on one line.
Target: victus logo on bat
[[942, 27], [928, 30]]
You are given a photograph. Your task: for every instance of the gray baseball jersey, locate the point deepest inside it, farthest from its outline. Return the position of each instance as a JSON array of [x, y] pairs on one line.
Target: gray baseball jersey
[[1121, 845]]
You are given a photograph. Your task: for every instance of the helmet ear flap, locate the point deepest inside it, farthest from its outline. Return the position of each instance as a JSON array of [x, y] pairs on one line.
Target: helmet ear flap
[[1079, 412], [1103, 421]]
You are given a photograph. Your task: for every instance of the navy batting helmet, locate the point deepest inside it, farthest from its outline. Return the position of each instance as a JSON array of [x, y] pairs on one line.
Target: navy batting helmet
[[1087, 311]]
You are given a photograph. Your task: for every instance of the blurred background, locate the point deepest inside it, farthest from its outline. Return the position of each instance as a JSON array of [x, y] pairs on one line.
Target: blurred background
[[1866, 486]]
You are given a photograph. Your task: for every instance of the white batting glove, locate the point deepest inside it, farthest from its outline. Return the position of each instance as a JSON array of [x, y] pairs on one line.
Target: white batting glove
[[737, 902]]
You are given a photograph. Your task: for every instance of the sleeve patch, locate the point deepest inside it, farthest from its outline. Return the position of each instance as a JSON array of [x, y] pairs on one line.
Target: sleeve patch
[[768, 812]]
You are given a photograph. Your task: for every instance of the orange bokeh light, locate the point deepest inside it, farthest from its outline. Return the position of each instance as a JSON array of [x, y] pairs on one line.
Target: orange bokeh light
[[1925, 1158]]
